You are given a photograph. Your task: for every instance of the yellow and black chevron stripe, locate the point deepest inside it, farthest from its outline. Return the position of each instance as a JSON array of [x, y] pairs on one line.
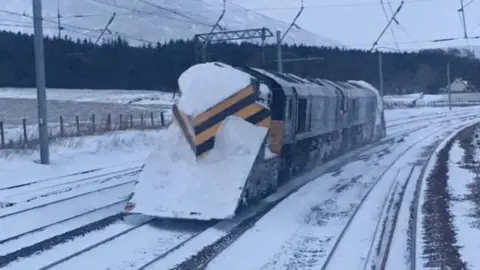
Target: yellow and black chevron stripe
[[200, 131]]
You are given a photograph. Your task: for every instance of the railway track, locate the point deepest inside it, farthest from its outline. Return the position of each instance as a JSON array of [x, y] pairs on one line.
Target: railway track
[[24, 242], [428, 118], [202, 259], [122, 234], [397, 121], [396, 178]]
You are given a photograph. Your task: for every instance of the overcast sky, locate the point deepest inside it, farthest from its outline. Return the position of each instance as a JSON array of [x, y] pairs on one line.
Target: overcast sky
[[358, 23], [354, 23]]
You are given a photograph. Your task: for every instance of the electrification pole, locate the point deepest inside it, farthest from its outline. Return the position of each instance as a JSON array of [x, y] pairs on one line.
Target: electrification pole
[[40, 81], [380, 72], [279, 52], [449, 87]]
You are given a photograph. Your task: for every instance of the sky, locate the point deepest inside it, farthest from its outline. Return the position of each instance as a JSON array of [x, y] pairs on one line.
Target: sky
[[353, 23], [358, 23]]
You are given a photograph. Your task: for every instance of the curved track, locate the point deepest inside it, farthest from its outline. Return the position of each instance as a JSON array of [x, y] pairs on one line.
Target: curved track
[[395, 178], [72, 236]]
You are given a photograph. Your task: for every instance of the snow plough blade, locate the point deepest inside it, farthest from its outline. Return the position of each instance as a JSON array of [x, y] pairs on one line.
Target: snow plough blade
[[205, 157]]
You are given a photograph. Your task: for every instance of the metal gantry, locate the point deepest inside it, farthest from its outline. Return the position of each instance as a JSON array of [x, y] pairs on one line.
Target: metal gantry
[[205, 38]]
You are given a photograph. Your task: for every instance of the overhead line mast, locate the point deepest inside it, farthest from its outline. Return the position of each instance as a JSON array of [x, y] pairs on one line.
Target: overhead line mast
[[280, 38]]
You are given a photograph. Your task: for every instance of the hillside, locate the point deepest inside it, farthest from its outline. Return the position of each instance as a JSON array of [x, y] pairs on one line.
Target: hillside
[[140, 21], [353, 23]]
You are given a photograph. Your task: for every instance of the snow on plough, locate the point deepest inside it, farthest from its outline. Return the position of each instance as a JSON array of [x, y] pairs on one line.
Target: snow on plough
[[240, 132]]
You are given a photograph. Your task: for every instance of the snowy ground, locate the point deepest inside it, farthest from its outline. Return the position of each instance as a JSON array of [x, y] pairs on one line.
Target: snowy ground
[[19, 103], [425, 99], [315, 214], [138, 97], [453, 185], [79, 154], [313, 219]]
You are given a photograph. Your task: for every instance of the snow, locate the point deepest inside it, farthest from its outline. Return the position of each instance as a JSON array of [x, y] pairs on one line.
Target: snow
[[455, 183], [60, 228], [35, 196], [41, 259], [407, 98], [297, 215], [204, 85], [174, 184], [131, 250], [310, 224], [462, 210], [15, 224], [141, 23], [265, 95], [78, 154], [222, 228], [138, 97], [378, 118], [398, 255], [400, 113], [420, 99]]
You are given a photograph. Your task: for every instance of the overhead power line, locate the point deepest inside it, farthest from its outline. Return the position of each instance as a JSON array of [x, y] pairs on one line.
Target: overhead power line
[[386, 18], [78, 29], [323, 6], [106, 27], [388, 24], [173, 11]]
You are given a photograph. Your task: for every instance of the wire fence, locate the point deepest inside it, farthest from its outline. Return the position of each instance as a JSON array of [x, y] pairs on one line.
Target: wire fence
[[437, 103], [25, 134]]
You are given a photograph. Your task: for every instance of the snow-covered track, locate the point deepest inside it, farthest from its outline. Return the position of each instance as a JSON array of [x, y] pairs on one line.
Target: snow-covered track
[[431, 115], [30, 195], [387, 180], [206, 246], [156, 238], [99, 173], [50, 219], [391, 124]]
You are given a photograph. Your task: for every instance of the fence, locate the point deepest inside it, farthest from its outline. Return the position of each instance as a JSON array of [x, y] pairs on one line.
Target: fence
[[437, 103], [25, 133]]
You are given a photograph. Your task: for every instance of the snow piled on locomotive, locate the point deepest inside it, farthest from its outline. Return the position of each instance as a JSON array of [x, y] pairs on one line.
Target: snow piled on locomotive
[[204, 85], [379, 119], [177, 182]]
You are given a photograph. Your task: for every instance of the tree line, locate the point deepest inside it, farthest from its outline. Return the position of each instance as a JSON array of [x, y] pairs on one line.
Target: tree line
[[116, 65]]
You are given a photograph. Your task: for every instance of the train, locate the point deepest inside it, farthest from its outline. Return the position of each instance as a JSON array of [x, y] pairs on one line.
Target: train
[[303, 122]]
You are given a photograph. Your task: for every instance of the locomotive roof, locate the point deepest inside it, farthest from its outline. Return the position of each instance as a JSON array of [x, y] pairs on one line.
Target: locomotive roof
[[303, 86], [350, 89]]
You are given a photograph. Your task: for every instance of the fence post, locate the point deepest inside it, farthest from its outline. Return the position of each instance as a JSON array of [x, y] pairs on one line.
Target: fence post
[[162, 119], [77, 122], [151, 118], [141, 120], [93, 124], [62, 128], [120, 119], [109, 121], [131, 120], [2, 135], [25, 138]]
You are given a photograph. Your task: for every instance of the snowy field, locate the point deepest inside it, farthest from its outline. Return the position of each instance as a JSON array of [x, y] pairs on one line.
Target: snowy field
[[334, 221], [425, 99], [18, 103], [138, 97]]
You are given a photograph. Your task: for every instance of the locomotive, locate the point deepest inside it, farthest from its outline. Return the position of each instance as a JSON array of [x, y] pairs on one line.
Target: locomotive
[[302, 123]]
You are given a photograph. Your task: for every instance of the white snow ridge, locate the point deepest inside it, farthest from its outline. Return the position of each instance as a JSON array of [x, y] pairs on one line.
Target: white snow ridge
[[175, 182]]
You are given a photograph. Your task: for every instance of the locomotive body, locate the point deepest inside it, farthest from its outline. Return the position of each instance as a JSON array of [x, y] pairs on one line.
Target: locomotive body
[[307, 121]]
